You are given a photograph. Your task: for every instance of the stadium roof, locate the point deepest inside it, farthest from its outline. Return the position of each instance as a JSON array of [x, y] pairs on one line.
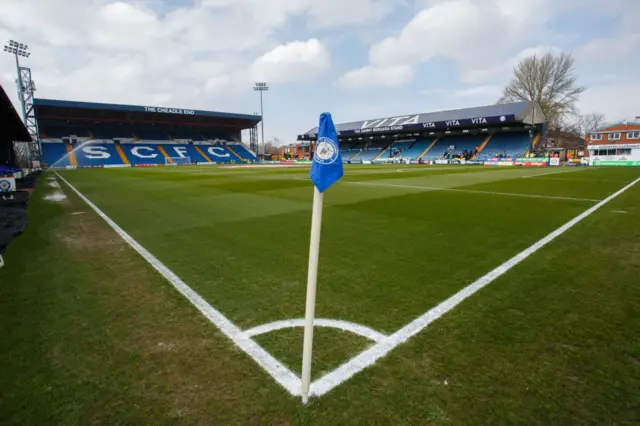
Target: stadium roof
[[13, 129], [518, 112], [51, 109]]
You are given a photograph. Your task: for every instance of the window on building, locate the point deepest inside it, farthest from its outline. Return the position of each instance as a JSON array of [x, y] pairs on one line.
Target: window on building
[[610, 151], [614, 136], [596, 136], [623, 151], [633, 135]]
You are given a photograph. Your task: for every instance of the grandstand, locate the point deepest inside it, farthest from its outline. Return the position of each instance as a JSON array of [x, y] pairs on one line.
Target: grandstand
[[474, 134], [83, 134]]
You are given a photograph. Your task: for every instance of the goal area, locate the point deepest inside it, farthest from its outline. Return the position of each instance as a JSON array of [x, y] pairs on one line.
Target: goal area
[[177, 161]]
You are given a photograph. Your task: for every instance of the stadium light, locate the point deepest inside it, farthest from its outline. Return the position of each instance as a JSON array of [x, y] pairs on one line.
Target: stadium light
[[261, 87], [17, 49]]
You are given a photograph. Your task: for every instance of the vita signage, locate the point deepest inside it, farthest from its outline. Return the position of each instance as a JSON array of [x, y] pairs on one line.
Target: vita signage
[[414, 123], [419, 122]]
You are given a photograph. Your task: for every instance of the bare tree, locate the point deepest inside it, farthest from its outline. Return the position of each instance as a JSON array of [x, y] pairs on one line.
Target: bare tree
[[590, 122], [270, 148], [550, 80]]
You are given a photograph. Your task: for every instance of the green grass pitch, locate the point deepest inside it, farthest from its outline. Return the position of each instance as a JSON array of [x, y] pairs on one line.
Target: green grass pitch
[[93, 334]]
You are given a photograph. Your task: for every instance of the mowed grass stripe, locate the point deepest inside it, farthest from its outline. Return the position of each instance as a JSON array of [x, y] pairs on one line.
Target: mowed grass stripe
[[383, 251], [553, 342]]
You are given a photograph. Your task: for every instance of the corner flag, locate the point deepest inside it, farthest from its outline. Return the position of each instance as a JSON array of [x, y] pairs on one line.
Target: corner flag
[[327, 162], [325, 171]]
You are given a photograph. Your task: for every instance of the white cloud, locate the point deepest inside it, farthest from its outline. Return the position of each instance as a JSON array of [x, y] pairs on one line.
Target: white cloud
[[369, 76], [331, 13], [295, 61], [617, 101], [479, 91], [624, 47]]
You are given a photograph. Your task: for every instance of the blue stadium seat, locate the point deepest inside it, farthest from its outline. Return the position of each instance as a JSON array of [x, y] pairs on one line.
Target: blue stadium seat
[[510, 144], [417, 148], [242, 152], [104, 131], [96, 154], [55, 152], [368, 154], [150, 133]]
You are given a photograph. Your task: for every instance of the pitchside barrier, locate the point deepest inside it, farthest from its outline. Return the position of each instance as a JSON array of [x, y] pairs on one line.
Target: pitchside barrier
[[620, 163], [500, 162], [532, 162]]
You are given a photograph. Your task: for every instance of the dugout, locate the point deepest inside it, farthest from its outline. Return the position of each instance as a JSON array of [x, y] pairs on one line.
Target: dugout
[[13, 130], [13, 216]]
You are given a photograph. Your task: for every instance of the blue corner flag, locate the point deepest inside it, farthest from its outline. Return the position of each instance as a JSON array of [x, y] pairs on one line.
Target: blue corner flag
[[327, 162]]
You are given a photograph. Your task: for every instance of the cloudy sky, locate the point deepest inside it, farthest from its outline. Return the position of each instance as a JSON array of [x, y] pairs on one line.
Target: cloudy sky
[[355, 58]]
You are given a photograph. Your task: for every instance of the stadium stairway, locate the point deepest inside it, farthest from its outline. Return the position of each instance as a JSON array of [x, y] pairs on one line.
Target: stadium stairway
[[510, 144], [202, 154], [53, 152], [164, 153], [382, 152], [368, 155], [486, 141], [72, 155], [233, 151], [121, 153], [416, 149], [435, 141], [244, 152], [94, 155], [533, 145]]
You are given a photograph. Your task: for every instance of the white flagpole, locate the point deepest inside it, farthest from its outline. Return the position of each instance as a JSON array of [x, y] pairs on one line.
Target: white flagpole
[[314, 251]]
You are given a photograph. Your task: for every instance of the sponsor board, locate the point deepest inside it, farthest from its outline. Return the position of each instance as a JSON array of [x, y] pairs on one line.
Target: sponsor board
[[7, 184], [531, 164], [366, 162], [499, 163], [616, 146], [532, 160], [205, 163], [116, 166], [554, 162], [70, 167], [145, 165], [615, 163], [442, 162]]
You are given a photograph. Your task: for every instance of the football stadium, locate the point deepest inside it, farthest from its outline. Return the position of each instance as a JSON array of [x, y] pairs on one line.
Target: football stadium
[[157, 270]]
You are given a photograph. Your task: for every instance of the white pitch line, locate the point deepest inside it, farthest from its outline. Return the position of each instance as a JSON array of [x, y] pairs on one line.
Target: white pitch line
[[552, 173], [379, 350], [354, 328], [470, 191], [285, 377]]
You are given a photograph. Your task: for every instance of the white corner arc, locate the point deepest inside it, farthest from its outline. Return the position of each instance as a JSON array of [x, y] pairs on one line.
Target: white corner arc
[[351, 327]]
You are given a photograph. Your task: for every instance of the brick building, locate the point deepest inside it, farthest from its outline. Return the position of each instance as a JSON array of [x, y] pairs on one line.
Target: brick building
[[615, 145]]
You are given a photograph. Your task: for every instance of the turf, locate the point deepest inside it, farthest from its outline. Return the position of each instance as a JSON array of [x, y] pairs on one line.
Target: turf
[[94, 333]]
